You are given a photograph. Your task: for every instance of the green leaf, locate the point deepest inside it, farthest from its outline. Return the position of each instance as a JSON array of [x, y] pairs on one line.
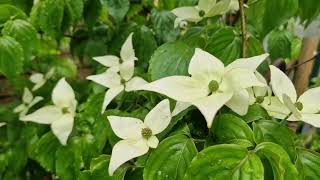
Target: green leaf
[[254, 47], [265, 15], [11, 57], [308, 163], [163, 25], [25, 34], [171, 4], [279, 44], [227, 127], [99, 170], [170, 59], [75, 9], [282, 167], [272, 131], [309, 10], [117, 8], [255, 112], [50, 16], [144, 45], [44, 151], [225, 161], [195, 37], [92, 11], [170, 159], [65, 67], [8, 12], [225, 44]]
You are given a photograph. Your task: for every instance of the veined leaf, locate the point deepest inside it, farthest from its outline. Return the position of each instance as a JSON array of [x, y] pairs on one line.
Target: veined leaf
[[117, 8], [8, 12], [308, 163]]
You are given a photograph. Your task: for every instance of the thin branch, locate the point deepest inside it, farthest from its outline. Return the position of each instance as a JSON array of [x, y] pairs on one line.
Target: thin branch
[[243, 28], [297, 65]]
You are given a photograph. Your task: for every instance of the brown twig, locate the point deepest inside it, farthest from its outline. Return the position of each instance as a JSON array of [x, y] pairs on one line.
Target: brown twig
[[297, 65], [243, 28]]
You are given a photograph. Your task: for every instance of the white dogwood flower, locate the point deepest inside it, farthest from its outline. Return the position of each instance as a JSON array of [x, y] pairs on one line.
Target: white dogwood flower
[[117, 82], [305, 108], [258, 94], [211, 85], [40, 79], [2, 124], [127, 56], [205, 8], [27, 102], [138, 136], [60, 115]]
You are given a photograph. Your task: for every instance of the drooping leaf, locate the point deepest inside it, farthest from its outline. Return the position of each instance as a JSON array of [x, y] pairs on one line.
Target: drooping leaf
[[272, 131], [117, 8], [23, 32], [92, 11], [170, 159], [228, 127], [8, 12], [11, 57], [75, 9], [279, 44], [309, 9], [170, 59], [225, 161], [282, 167], [308, 164]]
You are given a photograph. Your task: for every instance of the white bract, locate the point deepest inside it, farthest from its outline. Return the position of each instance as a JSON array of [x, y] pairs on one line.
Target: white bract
[[127, 56], [305, 108], [2, 124], [205, 8], [211, 85], [138, 136], [119, 76], [257, 94], [27, 102], [60, 115], [40, 79]]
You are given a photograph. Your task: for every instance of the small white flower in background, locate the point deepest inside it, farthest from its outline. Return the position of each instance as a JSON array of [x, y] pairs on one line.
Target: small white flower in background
[[2, 124], [258, 94], [27, 102], [127, 56], [40, 79], [119, 76], [205, 8], [138, 136], [305, 108], [60, 115], [211, 85]]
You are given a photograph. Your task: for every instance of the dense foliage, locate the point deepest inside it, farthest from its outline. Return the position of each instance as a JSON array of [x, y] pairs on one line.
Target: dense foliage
[[51, 51]]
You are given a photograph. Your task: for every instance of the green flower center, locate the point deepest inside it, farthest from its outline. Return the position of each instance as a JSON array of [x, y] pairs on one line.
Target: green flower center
[[146, 133], [259, 99], [201, 13], [123, 81], [299, 105], [213, 86], [65, 110]]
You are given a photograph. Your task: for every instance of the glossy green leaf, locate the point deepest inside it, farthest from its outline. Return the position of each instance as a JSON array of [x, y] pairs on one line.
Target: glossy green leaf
[[227, 127], [8, 12], [225, 44], [225, 161], [308, 164], [170, 59], [170, 159], [255, 112], [23, 32], [195, 37], [163, 25], [272, 131], [11, 57], [279, 44], [117, 8]]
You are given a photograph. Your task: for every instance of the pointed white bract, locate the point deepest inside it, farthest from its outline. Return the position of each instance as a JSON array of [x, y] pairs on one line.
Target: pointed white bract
[[27, 102], [258, 94], [211, 84], [305, 108], [126, 55], [204, 9], [119, 75], [40, 79], [137, 135], [2, 124], [60, 115]]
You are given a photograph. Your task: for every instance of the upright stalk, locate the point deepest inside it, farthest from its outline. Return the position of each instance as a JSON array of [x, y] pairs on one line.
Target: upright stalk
[[243, 28]]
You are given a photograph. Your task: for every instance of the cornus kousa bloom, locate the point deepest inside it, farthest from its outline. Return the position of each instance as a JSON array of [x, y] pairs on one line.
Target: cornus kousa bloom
[[205, 8], [60, 115], [127, 57], [2, 124], [40, 79], [138, 136], [27, 102], [258, 94], [211, 85], [286, 104]]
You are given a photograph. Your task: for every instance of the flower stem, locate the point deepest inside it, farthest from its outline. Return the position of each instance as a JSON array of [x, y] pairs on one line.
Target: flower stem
[[243, 28], [286, 118]]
